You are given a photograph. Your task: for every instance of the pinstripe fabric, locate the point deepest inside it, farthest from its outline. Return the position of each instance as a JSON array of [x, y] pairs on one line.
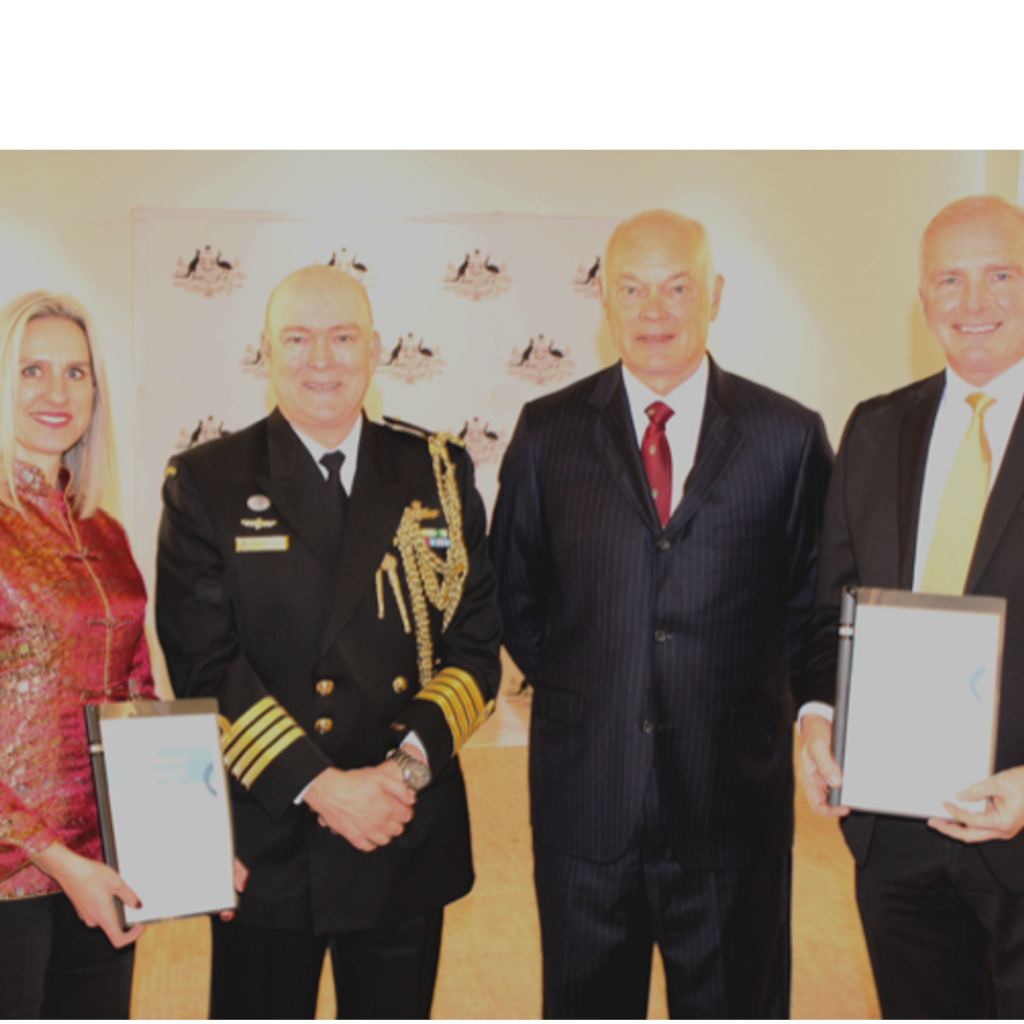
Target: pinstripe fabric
[[661, 647]]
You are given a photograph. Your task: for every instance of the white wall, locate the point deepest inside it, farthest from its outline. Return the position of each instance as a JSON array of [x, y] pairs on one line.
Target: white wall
[[818, 249]]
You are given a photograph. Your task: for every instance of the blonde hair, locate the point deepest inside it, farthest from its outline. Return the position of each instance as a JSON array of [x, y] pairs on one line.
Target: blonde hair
[[90, 459]]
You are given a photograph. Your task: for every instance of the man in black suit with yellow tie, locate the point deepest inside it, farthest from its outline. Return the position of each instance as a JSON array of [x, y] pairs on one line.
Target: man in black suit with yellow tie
[[655, 538], [327, 579], [928, 494]]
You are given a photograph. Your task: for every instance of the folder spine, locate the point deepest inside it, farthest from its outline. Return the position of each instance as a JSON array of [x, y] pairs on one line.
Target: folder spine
[[847, 619], [99, 776]]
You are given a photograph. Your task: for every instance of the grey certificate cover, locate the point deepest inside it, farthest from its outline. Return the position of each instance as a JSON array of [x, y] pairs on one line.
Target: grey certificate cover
[[917, 702], [163, 802]]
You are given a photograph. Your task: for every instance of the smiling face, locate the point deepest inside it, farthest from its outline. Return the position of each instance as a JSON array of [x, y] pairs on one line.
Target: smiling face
[[972, 287], [322, 350], [55, 392], [659, 296]]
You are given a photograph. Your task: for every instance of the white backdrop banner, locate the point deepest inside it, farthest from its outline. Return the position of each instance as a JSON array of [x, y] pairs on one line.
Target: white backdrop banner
[[477, 315]]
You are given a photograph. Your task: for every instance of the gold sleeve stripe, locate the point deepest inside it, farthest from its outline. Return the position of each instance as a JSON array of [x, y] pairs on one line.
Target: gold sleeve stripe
[[458, 739], [252, 742], [282, 744], [457, 710], [260, 745], [461, 702], [463, 683], [261, 707], [240, 740], [468, 684]]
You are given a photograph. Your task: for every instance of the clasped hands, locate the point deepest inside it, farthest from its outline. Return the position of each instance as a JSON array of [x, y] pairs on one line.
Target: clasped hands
[[1002, 818], [367, 806]]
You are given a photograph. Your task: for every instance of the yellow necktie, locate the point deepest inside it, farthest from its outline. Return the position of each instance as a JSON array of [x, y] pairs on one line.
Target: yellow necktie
[[962, 506]]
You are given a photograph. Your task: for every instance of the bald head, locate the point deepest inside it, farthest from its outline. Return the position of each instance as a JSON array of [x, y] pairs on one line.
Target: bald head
[[660, 294], [660, 228], [972, 208], [314, 282], [972, 286], [321, 350]]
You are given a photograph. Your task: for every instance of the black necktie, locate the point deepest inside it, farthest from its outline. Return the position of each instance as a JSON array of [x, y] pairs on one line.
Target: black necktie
[[336, 497]]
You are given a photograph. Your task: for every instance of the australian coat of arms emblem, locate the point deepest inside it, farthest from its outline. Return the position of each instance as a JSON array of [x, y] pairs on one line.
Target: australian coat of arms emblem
[[205, 430], [482, 442], [412, 362], [477, 277], [586, 282], [541, 362], [207, 274], [353, 266]]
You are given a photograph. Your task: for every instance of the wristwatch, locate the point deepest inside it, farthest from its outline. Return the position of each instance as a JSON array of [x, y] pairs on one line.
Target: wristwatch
[[415, 774]]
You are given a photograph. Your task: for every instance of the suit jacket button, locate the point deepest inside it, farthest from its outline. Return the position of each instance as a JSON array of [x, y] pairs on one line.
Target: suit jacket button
[[660, 635], [325, 687], [664, 544], [400, 684], [648, 728], [323, 725]]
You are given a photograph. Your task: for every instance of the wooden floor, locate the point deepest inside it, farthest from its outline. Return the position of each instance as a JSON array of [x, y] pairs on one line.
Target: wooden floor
[[490, 959]]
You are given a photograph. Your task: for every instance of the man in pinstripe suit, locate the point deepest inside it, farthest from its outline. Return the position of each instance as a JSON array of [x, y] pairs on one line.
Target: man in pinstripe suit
[[656, 538]]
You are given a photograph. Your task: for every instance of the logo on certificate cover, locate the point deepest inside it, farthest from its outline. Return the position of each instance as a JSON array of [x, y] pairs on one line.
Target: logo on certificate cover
[[477, 277], [208, 274]]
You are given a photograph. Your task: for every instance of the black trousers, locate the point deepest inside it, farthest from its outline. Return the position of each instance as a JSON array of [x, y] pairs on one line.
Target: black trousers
[[723, 935], [274, 974], [53, 967], [944, 936]]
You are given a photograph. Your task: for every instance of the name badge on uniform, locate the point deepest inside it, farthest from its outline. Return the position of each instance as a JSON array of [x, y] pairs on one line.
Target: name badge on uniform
[[248, 545]]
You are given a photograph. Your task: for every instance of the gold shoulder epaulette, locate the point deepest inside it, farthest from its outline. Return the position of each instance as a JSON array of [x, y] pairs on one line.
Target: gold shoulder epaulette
[[407, 428], [410, 428]]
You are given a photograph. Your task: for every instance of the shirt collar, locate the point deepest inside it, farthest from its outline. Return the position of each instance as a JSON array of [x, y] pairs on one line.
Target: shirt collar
[[640, 396], [349, 448], [1007, 389]]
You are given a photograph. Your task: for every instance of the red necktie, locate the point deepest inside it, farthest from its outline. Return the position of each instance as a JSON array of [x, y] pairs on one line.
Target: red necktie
[[658, 459]]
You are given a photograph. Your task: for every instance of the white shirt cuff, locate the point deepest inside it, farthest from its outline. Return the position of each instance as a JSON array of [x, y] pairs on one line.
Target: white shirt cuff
[[815, 707]]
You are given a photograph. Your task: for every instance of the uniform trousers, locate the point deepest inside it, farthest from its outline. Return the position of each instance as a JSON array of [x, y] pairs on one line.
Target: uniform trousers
[[53, 967], [724, 935], [944, 936], [274, 974]]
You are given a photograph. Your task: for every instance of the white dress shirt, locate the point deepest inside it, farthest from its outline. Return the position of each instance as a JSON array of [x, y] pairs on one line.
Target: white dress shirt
[[951, 424], [682, 431], [349, 448]]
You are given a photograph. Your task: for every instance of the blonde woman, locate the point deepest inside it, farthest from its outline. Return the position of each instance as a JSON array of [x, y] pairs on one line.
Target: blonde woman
[[71, 633]]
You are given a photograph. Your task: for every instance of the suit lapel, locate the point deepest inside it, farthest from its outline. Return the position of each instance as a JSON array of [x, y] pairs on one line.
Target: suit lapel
[[914, 439], [291, 486], [1007, 494], [615, 441], [371, 520], [720, 439]]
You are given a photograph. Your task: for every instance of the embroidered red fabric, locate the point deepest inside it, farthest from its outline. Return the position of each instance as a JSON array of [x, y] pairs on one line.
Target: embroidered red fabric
[[72, 607]]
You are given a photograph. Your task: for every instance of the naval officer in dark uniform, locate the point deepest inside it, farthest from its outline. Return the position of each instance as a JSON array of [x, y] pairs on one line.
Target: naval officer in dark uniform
[[327, 579]]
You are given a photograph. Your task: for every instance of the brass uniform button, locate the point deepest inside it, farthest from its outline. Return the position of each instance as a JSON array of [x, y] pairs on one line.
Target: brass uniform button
[[323, 725], [400, 685], [325, 687]]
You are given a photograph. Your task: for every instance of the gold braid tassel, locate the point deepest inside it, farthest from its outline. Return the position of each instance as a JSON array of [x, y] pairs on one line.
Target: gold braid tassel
[[389, 565], [428, 576]]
